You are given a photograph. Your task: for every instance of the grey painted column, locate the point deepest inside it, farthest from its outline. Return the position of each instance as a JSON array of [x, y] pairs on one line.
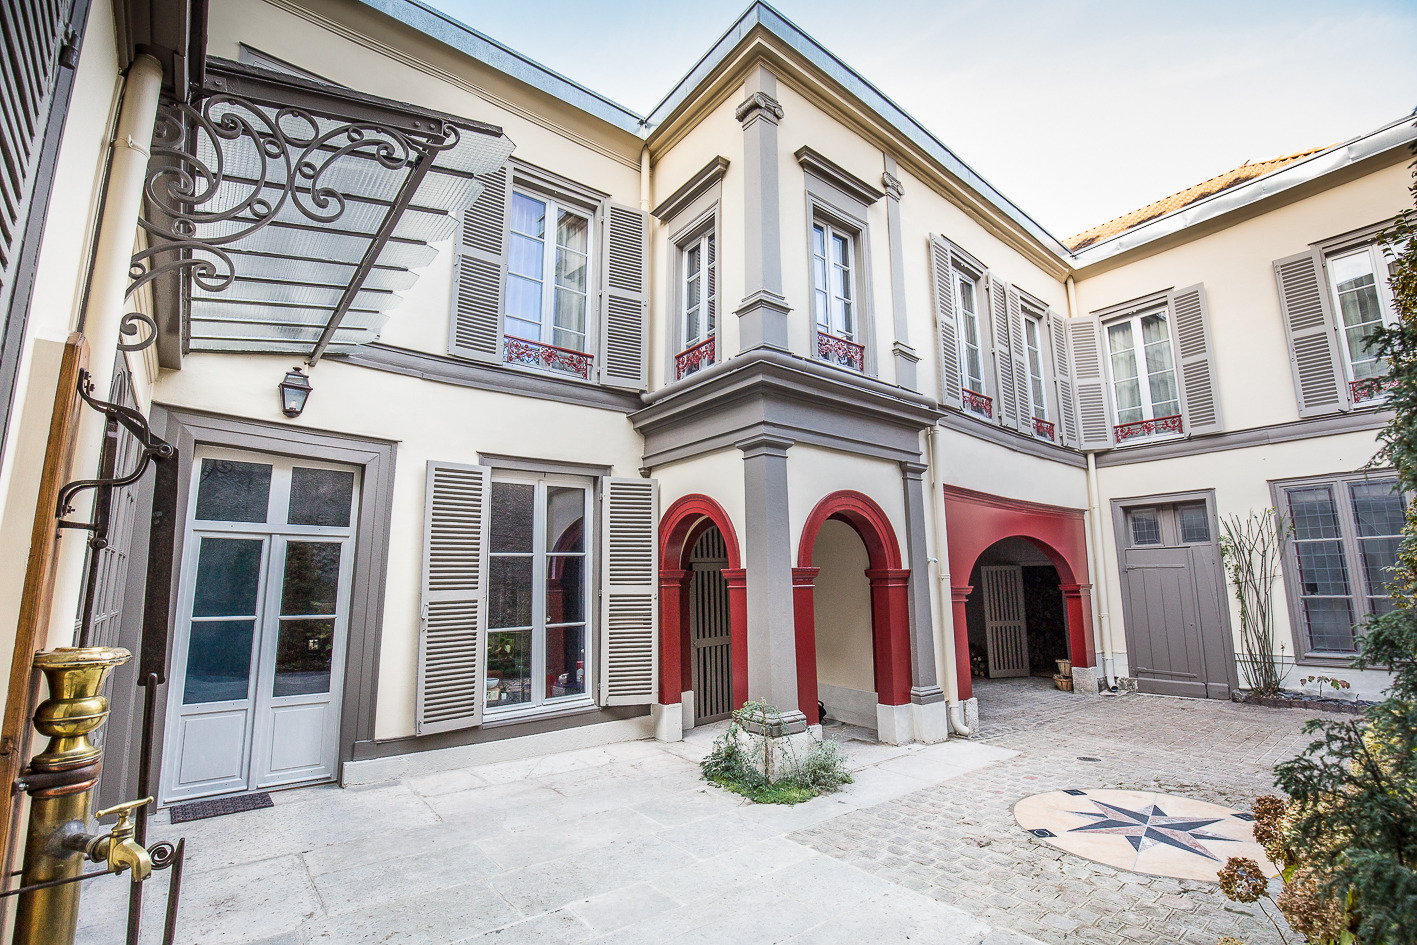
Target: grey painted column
[[772, 644], [905, 356], [762, 316], [924, 685]]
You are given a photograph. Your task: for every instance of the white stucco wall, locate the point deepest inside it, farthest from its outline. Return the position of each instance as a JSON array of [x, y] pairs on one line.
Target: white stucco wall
[[718, 475], [814, 473], [842, 606]]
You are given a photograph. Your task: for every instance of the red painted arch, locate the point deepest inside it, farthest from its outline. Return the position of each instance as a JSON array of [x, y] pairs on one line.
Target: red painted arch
[[890, 599], [680, 528], [976, 520]]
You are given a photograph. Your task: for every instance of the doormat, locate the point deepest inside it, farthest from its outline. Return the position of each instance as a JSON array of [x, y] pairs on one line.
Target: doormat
[[201, 810]]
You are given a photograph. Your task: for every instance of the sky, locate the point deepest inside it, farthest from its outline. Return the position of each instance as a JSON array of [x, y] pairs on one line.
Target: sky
[[1076, 111]]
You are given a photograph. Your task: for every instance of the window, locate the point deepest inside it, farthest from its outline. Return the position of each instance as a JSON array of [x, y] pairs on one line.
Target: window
[[1144, 389], [1362, 299], [1345, 535], [1194, 522], [971, 358], [538, 579], [1033, 341], [548, 278], [833, 281], [1146, 527], [698, 274]]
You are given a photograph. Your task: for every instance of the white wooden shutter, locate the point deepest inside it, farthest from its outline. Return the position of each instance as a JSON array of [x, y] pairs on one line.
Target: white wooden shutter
[[480, 273], [1195, 360], [946, 328], [452, 625], [1085, 347], [1063, 383], [624, 332], [629, 591], [1311, 330], [1018, 348], [1005, 391]]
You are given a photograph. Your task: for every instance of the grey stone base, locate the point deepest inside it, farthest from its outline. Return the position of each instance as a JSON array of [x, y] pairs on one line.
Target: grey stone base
[[971, 715], [1087, 680]]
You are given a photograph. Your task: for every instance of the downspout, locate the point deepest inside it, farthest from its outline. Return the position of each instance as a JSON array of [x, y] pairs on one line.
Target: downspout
[[1101, 608], [646, 189], [944, 612]]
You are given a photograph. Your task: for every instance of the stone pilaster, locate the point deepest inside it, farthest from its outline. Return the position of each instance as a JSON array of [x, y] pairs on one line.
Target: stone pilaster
[[762, 316]]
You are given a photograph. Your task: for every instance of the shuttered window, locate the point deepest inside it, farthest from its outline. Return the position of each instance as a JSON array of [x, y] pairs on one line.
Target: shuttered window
[[947, 347], [1063, 381], [1143, 372], [970, 332], [1363, 300], [1313, 341], [629, 591], [1197, 363], [1033, 347]]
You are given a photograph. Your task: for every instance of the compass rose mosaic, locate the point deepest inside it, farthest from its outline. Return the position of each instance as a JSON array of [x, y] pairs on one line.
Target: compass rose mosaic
[[1141, 831]]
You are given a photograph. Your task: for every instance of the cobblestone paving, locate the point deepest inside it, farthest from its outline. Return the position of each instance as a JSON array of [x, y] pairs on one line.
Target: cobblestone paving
[[958, 843]]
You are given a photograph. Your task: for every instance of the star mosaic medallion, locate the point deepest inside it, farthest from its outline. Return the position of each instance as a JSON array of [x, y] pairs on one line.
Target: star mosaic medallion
[[1159, 834]]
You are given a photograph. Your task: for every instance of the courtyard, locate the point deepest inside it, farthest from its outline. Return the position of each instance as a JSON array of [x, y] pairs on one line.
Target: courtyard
[[627, 843]]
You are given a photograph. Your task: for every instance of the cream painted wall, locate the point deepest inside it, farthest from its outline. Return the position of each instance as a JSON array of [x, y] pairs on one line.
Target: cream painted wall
[[842, 604], [718, 475], [430, 422], [814, 473], [1240, 479], [1252, 365], [988, 467]]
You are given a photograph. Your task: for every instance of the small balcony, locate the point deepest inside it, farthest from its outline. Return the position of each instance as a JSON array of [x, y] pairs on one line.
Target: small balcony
[[695, 357], [1146, 428], [1044, 430], [977, 403], [841, 351], [548, 357], [1369, 390]]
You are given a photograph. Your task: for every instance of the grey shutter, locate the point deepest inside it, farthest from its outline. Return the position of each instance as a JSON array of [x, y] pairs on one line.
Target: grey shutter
[[1018, 348], [629, 590], [1085, 347], [480, 273], [1196, 362], [452, 625], [1313, 338], [1005, 392], [947, 348], [1066, 414], [624, 334]]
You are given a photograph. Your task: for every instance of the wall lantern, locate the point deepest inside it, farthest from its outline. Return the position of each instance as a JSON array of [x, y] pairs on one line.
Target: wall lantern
[[294, 391]]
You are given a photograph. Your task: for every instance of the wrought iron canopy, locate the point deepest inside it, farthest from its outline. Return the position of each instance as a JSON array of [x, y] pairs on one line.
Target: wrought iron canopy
[[285, 215]]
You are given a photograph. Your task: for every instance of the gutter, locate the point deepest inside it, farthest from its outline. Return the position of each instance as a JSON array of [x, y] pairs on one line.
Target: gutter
[[944, 611]]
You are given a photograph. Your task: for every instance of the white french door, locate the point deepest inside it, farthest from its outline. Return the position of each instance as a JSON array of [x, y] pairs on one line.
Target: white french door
[[263, 620]]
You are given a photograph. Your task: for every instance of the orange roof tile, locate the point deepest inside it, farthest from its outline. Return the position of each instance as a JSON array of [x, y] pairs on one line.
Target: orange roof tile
[[1190, 195]]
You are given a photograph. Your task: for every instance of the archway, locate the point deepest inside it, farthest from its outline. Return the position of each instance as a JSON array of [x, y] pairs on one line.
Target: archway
[[889, 600], [1016, 615], [698, 522]]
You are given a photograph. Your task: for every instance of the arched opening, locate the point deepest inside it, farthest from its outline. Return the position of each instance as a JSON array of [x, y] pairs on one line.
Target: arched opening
[[845, 531], [703, 612], [1016, 615]]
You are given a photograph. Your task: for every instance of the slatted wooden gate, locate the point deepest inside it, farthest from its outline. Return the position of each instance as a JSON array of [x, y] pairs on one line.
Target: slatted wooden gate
[[1004, 625], [708, 623]]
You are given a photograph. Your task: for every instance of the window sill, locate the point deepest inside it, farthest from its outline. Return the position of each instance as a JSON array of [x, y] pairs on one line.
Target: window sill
[[492, 718]]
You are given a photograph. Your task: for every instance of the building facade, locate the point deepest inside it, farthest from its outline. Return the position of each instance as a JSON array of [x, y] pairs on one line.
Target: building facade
[[614, 422]]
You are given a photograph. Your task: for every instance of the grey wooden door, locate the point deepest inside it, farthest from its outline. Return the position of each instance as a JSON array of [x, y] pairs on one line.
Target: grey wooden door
[[1004, 626], [1177, 638], [709, 630]]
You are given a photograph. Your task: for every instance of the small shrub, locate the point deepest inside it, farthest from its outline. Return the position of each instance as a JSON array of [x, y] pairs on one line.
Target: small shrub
[[735, 767]]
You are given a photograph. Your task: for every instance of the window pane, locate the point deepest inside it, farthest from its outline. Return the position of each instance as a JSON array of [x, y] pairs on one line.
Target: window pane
[[509, 591], [528, 216], [1379, 556], [311, 578], [571, 270], [565, 519], [304, 652], [508, 667], [320, 497], [231, 491], [1195, 524], [1153, 331], [512, 508], [1128, 395], [526, 257], [565, 661], [218, 661], [819, 242], [565, 589], [1322, 570], [524, 302], [228, 577], [966, 296], [1377, 507], [573, 232], [1311, 513], [1330, 624], [570, 320], [1146, 527]]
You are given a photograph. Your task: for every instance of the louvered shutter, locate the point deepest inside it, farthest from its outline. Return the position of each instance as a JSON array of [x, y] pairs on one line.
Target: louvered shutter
[[1313, 336], [1063, 381], [29, 57], [1085, 347], [1196, 361], [629, 606], [624, 333], [480, 274], [947, 348], [1005, 390], [452, 626], [1018, 348]]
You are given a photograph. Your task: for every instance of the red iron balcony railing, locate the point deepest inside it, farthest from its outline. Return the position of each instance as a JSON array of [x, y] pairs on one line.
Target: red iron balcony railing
[[1128, 431], [536, 354], [1369, 389], [976, 402], [692, 358], [1044, 430], [841, 351]]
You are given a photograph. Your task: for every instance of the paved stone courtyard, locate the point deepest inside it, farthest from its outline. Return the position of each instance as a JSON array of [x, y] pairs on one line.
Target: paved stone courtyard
[[626, 844]]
